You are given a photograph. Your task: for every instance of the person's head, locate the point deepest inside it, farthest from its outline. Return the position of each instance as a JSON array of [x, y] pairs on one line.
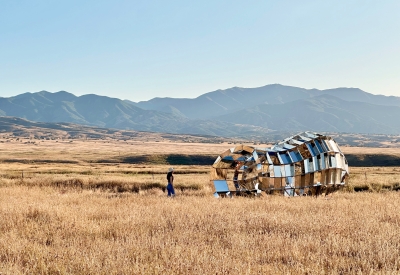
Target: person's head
[[171, 169]]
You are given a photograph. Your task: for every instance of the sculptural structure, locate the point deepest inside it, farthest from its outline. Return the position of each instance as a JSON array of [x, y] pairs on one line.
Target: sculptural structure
[[304, 164]]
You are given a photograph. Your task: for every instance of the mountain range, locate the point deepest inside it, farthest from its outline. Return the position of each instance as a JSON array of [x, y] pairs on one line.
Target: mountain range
[[234, 112]]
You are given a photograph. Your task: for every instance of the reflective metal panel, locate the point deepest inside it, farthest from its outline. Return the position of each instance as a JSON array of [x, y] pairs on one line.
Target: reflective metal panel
[[310, 165], [322, 161], [311, 149], [289, 170], [338, 176], [255, 156], [306, 166], [332, 161], [277, 171], [283, 172], [295, 155], [320, 149], [334, 146], [284, 157], [315, 148], [325, 146], [316, 163], [221, 186]]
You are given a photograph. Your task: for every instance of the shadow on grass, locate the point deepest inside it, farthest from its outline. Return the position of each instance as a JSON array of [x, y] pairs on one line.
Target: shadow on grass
[[172, 159]]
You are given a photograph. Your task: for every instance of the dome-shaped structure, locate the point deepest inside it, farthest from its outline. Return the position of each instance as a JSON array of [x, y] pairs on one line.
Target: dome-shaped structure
[[306, 163]]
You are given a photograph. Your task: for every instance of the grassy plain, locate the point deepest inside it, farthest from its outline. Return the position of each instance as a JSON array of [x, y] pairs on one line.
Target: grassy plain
[[79, 208]]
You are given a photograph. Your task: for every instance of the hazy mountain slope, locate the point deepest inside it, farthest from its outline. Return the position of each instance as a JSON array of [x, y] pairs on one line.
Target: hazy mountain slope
[[42, 106], [321, 113], [108, 112], [222, 102], [355, 94], [87, 109], [235, 112]]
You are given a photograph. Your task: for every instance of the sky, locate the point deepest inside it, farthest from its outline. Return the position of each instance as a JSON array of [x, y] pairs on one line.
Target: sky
[[139, 50]]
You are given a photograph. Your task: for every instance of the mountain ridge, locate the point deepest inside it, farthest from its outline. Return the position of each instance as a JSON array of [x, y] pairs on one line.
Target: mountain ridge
[[324, 112], [236, 98], [103, 111], [238, 112]]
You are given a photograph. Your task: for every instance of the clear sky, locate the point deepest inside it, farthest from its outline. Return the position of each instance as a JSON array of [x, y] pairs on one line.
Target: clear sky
[[138, 50]]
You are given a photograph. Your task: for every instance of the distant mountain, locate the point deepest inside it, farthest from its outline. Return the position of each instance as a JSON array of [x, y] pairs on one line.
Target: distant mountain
[[321, 113], [235, 112], [101, 111], [222, 102]]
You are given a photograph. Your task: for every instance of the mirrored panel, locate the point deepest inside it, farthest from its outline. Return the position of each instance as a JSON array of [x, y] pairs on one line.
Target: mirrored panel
[[320, 149], [311, 149], [277, 171], [284, 157]]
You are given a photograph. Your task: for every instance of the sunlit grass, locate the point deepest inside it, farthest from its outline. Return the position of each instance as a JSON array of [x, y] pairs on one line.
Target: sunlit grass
[[87, 217], [44, 230]]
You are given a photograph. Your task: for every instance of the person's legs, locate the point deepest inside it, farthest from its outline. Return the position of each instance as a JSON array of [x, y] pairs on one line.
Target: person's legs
[[236, 183], [169, 190]]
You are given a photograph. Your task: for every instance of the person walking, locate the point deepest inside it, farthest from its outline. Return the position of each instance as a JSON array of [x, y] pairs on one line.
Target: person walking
[[170, 186]]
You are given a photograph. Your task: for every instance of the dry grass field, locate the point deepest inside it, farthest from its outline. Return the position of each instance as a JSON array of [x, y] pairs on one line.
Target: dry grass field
[[73, 208]]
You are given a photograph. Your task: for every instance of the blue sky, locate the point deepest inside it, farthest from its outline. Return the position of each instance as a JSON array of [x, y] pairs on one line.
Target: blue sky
[[138, 50]]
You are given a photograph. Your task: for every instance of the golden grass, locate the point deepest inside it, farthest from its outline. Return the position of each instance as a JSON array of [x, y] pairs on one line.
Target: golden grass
[[374, 179], [370, 150], [45, 231], [91, 150], [94, 218]]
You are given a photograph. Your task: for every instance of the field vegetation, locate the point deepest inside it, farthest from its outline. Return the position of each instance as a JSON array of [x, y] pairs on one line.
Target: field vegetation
[[82, 207]]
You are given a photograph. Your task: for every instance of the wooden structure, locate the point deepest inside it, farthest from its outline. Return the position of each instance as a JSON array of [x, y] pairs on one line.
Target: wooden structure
[[304, 164]]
